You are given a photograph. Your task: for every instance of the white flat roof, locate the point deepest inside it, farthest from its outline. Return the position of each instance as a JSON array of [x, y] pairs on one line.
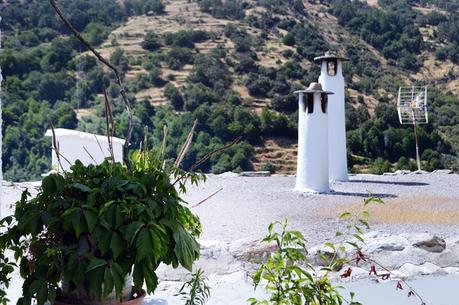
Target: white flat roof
[[62, 132]]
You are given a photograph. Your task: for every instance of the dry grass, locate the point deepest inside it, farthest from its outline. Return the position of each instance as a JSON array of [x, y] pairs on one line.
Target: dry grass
[[417, 210]]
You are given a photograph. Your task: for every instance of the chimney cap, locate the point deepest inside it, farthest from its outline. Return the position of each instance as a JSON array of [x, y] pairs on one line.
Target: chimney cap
[[314, 88], [330, 55]]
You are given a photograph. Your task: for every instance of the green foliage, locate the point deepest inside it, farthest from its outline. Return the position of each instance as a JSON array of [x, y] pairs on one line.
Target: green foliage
[[174, 95], [223, 8], [380, 166], [291, 279], [102, 221], [288, 39], [139, 7], [288, 276], [177, 57], [151, 42], [196, 290], [269, 167], [96, 33]]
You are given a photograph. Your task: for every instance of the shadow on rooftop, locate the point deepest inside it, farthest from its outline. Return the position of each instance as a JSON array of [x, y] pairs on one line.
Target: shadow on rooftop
[[405, 183], [363, 195], [155, 302]]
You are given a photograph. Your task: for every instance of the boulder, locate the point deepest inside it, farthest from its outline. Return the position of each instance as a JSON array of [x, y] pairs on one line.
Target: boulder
[[434, 244], [254, 251]]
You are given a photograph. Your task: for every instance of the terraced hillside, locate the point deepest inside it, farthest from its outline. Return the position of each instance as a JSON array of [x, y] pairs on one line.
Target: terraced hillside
[[233, 66]]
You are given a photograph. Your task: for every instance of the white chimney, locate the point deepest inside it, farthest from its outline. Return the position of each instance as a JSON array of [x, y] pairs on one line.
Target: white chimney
[[331, 78], [312, 168]]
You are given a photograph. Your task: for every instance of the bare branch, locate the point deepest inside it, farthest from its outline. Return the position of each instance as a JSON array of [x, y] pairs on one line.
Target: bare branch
[[56, 146], [207, 198], [186, 145], [110, 125], [206, 157], [89, 155], [69, 25]]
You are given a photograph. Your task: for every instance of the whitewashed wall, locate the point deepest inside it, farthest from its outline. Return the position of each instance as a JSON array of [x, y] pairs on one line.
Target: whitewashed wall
[[72, 146]]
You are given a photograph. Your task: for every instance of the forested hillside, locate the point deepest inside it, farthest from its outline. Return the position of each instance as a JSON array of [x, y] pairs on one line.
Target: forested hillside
[[233, 66]]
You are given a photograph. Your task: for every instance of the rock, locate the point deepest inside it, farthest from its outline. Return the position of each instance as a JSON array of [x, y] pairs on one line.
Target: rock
[[435, 244], [322, 256], [443, 171], [391, 247], [450, 256], [389, 174], [410, 270], [420, 172], [255, 174], [255, 251], [228, 175], [402, 172]]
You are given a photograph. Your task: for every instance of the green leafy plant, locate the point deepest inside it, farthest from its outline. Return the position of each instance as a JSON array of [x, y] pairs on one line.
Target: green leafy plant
[[195, 291], [94, 226], [289, 277], [6, 267]]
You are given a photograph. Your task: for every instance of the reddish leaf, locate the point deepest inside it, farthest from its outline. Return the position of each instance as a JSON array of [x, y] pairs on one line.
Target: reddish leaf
[[399, 286], [373, 270], [347, 273]]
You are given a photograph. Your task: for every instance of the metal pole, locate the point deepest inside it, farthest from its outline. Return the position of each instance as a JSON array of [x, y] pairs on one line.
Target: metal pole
[[418, 159]]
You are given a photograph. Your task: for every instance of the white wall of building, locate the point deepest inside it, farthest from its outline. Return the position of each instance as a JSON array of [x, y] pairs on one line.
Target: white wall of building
[[72, 146], [312, 168], [337, 122]]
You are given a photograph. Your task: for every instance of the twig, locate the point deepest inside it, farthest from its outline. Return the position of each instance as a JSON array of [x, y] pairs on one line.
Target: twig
[[110, 126], [89, 155], [207, 198], [207, 156], [186, 145], [56, 146], [100, 146], [62, 156], [163, 146], [69, 25]]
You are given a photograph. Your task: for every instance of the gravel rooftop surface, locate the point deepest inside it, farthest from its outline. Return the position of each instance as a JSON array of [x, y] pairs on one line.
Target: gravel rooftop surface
[[245, 206]]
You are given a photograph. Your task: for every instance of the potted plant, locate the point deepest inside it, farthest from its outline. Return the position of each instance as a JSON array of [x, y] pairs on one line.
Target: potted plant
[[96, 234]]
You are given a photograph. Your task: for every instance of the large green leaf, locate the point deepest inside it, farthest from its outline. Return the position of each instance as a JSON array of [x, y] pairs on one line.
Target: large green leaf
[[95, 263], [108, 282], [131, 230], [144, 244], [186, 248], [116, 244], [91, 219]]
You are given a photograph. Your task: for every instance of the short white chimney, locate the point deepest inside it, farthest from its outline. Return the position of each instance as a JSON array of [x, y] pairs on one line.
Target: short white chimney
[[331, 78], [312, 168]]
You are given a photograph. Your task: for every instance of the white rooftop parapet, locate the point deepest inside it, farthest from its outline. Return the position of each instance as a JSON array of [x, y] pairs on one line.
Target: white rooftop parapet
[[86, 147]]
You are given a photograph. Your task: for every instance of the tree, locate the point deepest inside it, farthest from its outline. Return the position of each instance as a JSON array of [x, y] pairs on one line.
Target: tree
[[151, 42], [289, 39]]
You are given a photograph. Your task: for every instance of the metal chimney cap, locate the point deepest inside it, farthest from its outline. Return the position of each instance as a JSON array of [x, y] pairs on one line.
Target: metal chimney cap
[[330, 55], [314, 88]]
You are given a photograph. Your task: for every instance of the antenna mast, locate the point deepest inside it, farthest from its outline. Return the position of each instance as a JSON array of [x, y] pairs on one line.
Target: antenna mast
[[412, 109]]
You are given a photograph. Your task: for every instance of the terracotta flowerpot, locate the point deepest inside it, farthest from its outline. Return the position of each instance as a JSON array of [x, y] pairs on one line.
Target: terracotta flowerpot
[[137, 299]]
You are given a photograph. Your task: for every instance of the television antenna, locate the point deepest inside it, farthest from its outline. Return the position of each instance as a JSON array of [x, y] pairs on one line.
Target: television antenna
[[412, 109]]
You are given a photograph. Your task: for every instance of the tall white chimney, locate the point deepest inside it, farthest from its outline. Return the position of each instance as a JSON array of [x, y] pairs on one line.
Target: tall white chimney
[[312, 168], [331, 78]]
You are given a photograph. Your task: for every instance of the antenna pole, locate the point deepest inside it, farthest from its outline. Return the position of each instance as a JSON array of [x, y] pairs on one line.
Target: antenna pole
[[418, 159]]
